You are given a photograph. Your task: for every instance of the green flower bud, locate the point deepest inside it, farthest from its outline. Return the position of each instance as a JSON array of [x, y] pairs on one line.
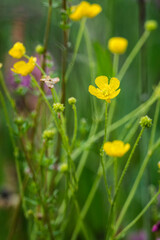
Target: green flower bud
[[39, 49], [72, 100], [151, 25], [30, 213], [58, 107], [145, 122], [49, 134], [63, 167], [19, 121]]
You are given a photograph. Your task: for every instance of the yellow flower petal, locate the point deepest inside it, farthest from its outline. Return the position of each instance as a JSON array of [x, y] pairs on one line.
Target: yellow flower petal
[[114, 83], [114, 94], [96, 92], [84, 9], [24, 68], [102, 82], [18, 50], [94, 10]]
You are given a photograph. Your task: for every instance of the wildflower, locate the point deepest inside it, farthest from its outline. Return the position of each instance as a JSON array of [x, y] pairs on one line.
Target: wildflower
[[84, 9], [58, 107], [24, 68], [116, 148], [49, 81], [105, 91], [145, 122], [18, 50], [117, 45], [151, 25], [156, 227], [72, 100]]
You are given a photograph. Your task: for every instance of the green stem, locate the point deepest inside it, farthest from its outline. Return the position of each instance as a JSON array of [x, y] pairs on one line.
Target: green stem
[[92, 194], [135, 185], [75, 126], [5, 89], [132, 115], [78, 41], [15, 149], [124, 231], [115, 64], [156, 115], [133, 53], [110, 218]]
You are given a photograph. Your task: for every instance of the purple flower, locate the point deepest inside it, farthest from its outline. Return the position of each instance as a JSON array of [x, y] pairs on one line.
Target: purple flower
[[156, 227]]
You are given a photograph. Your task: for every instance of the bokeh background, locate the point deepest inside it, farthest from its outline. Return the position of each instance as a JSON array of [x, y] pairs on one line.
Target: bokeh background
[[25, 21]]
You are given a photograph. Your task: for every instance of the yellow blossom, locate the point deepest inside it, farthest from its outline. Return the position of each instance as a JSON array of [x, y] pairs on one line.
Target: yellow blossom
[[84, 9], [117, 45], [116, 148], [24, 68], [17, 51], [105, 91]]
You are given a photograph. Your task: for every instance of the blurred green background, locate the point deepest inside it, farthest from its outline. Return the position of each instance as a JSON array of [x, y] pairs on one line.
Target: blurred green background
[[25, 21]]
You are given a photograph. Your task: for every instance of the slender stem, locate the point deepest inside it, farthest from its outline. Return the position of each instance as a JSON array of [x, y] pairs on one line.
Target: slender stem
[[5, 89], [110, 218], [64, 54], [115, 64], [132, 115], [75, 126], [156, 115], [133, 53], [135, 185], [15, 149], [102, 158], [78, 41], [123, 232], [93, 191], [46, 35]]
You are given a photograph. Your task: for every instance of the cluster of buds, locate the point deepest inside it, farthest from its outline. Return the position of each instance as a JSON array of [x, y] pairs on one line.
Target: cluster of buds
[[58, 107], [145, 122], [49, 134]]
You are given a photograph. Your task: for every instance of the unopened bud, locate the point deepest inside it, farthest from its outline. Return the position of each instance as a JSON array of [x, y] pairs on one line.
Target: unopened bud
[[151, 25], [49, 134], [145, 122], [39, 49], [63, 167], [58, 107], [72, 100]]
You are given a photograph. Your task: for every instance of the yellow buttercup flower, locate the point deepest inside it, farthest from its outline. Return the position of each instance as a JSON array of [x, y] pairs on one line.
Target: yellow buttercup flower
[[17, 51], [116, 148], [24, 68], [84, 9], [105, 91], [117, 45]]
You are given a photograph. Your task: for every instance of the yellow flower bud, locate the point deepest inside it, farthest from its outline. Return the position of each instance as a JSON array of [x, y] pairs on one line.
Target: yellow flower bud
[[116, 148], [151, 25], [117, 45]]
